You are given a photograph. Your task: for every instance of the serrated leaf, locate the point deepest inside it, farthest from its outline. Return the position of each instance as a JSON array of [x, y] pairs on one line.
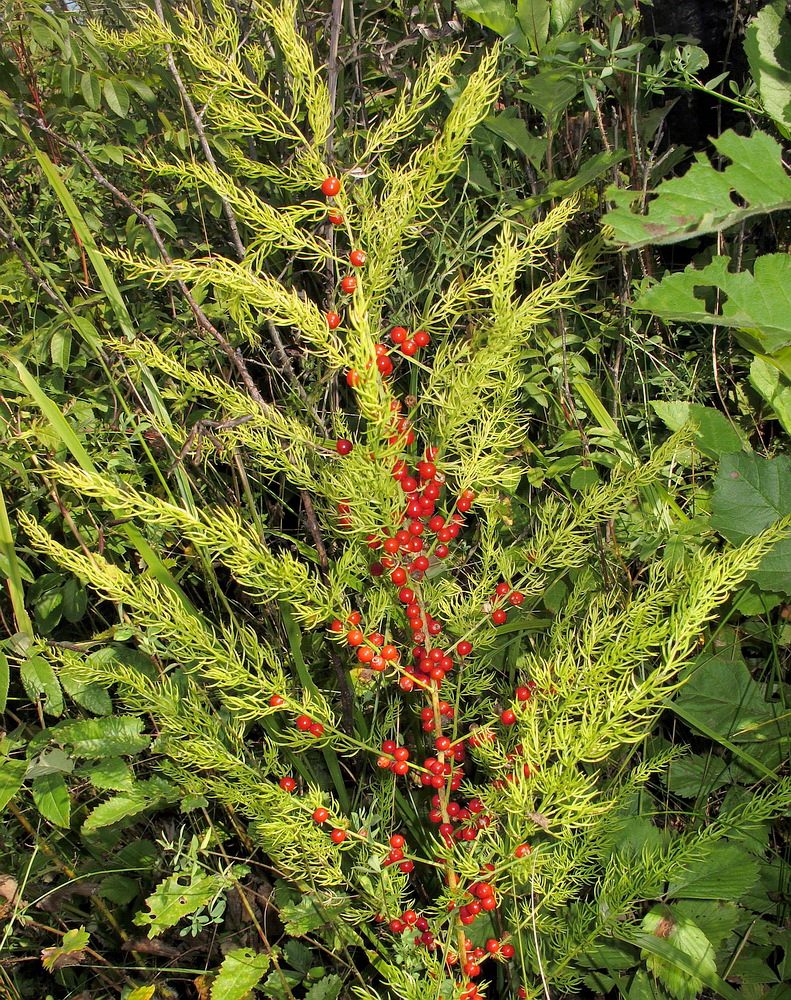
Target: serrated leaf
[[685, 936], [12, 774], [722, 691], [91, 90], [715, 434], [111, 736], [727, 873], [51, 795], [118, 889], [39, 679], [70, 951], [111, 773], [697, 775], [327, 988], [767, 45], [60, 348], [775, 389], [757, 304], [176, 897], [117, 97], [91, 696], [240, 971], [701, 201], [144, 795]]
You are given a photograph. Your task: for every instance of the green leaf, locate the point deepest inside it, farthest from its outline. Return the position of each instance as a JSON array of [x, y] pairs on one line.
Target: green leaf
[[685, 936], [667, 952], [551, 91], [117, 97], [51, 795], [60, 348], [702, 200], [107, 737], [74, 600], [775, 389], [240, 971], [39, 679], [715, 434], [118, 889], [767, 44], [142, 89], [499, 15], [143, 795], [327, 988], [562, 11], [727, 873], [176, 897], [587, 174], [533, 18], [515, 133], [4, 681], [757, 304], [112, 774], [696, 775], [71, 943], [91, 696], [91, 90], [12, 774]]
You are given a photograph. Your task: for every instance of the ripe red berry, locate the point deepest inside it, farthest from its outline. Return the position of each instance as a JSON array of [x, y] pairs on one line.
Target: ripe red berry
[[316, 729], [407, 866], [331, 186], [492, 946], [471, 969], [335, 217], [357, 258], [349, 284], [320, 815], [507, 951], [409, 917], [516, 598], [508, 718], [397, 926], [421, 338], [464, 648], [409, 347], [304, 722], [276, 701], [499, 617], [365, 654], [406, 684], [343, 446], [384, 365], [352, 378], [338, 836], [398, 576], [354, 637], [421, 564], [523, 850], [333, 320], [398, 335], [406, 595], [441, 551], [522, 693], [287, 783]]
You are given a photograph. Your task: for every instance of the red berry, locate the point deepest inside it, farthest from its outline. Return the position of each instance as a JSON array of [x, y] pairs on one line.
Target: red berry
[[397, 840], [354, 637], [407, 866], [384, 365], [408, 484], [406, 595], [464, 648], [508, 718], [343, 446], [421, 564], [357, 258], [335, 217], [398, 335], [421, 338], [437, 522], [333, 320], [365, 654], [522, 693], [471, 969], [287, 783], [389, 653], [317, 729], [492, 946], [352, 378], [409, 347], [276, 701], [331, 186], [398, 576], [516, 598], [507, 951], [406, 684], [499, 617], [441, 551], [349, 284], [338, 836], [502, 589], [523, 850], [320, 815], [489, 903], [400, 767], [409, 917], [304, 722], [397, 927]]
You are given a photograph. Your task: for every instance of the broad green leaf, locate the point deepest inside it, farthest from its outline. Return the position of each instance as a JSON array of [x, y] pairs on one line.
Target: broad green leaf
[[499, 15], [551, 91], [758, 303], [74, 600], [117, 97], [775, 389], [177, 896], [60, 348], [696, 775], [587, 173], [12, 774], [767, 44], [240, 971], [326, 988], [702, 200], [144, 795], [533, 18], [562, 12], [111, 736], [118, 889], [91, 90], [663, 949], [68, 952], [684, 935], [39, 679], [515, 133], [715, 434], [112, 774], [142, 89], [727, 873], [51, 795]]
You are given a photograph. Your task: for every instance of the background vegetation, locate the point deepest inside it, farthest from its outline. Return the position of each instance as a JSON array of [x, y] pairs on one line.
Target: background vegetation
[[657, 135]]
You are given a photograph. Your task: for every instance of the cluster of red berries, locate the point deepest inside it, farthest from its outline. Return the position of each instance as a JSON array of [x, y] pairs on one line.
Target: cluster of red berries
[[303, 722], [396, 854], [501, 592], [522, 694], [469, 822], [409, 345], [330, 187]]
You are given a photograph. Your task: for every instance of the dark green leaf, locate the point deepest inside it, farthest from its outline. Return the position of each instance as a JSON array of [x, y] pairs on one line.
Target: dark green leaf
[[117, 97], [240, 971], [715, 434], [767, 44], [39, 679], [106, 737], [51, 795], [91, 90]]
